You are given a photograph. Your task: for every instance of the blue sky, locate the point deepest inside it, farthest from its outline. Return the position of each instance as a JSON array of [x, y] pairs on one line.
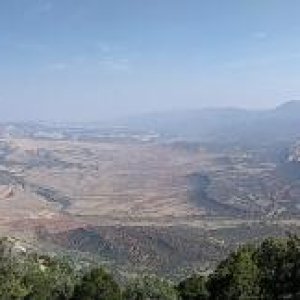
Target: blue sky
[[93, 59]]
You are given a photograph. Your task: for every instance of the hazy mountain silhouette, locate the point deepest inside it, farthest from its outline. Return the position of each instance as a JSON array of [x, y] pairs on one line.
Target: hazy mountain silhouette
[[226, 124]]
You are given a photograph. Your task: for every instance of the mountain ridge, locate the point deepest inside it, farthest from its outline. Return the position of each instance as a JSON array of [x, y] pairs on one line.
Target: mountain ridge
[[231, 125]]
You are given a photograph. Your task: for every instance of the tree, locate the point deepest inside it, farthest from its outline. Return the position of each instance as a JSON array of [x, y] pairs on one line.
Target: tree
[[148, 288], [270, 257], [11, 272], [48, 278], [97, 285], [279, 263], [292, 267], [237, 277], [193, 288]]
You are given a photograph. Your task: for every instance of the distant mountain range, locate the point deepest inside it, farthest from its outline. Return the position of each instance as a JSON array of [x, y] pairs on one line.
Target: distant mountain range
[[225, 125]]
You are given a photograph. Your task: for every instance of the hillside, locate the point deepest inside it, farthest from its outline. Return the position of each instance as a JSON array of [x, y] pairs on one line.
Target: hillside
[[140, 199], [265, 270], [225, 125]]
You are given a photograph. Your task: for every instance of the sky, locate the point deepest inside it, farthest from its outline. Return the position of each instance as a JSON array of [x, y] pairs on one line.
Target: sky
[[91, 60]]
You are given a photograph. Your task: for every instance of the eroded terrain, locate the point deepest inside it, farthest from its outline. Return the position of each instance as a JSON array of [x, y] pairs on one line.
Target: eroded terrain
[[146, 203]]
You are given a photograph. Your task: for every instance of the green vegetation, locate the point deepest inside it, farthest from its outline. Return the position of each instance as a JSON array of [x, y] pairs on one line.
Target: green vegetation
[[193, 288], [97, 285], [30, 276], [149, 287], [268, 271]]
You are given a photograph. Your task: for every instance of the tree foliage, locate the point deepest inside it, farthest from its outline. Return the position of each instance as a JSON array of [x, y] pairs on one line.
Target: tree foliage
[[149, 288], [237, 277], [279, 264], [97, 285], [193, 288], [267, 271]]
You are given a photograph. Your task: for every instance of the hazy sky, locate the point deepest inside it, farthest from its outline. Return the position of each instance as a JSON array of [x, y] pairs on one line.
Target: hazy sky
[[92, 59]]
